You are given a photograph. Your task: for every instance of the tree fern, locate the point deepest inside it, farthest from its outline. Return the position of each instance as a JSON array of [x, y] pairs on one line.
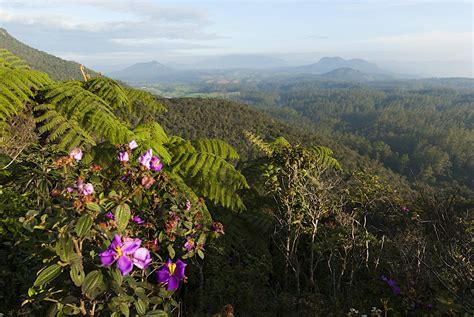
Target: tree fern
[[325, 157], [152, 135], [111, 92], [67, 132], [141, 98], [91, 112], [203, 165], [17, 84]]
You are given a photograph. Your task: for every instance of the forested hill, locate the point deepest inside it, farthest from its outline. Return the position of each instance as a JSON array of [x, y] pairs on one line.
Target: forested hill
[[57, 68], [227, 120]]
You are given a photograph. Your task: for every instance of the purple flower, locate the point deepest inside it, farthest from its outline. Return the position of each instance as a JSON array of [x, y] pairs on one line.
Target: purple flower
[[110, 215], [155, 164], [171, 273], [138, 220], [145, 159], [405, 209], [189, 245], [188, 205], [132, 145], [123, 156], [87, 189], [70, 189], [392, 283], [76, 154], [126, 253], [141, 258]]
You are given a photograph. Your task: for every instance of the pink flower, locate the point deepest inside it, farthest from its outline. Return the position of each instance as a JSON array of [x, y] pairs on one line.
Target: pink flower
[[155, 164], [132, 145], [138, 220], [87, 189], [188, 205], [126, 252], [145, 159], [123, 156], [76, 154], [189, 245]]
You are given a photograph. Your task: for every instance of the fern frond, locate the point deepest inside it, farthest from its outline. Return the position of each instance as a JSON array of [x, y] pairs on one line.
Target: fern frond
[[140, 98], [258, 142], [325, 157], [18, 84], [58, 127], [205, 168], [91, 112], [111, 92], [151, 135], [216, 147], [7, 59]]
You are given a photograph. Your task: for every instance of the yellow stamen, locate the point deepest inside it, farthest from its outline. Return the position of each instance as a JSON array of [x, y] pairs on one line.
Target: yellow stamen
[[171, 268], [118, 250]]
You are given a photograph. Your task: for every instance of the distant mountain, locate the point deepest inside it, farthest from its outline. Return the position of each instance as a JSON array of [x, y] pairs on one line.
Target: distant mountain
[[350, 74], [149, 71], [327, 64], [240, 61], [56, 67]]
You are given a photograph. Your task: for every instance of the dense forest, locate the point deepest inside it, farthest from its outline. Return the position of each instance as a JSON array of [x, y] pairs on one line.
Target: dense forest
[[319, 200]]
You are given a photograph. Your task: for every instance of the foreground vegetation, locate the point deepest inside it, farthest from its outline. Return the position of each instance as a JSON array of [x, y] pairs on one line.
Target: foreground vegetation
[[118, 217]]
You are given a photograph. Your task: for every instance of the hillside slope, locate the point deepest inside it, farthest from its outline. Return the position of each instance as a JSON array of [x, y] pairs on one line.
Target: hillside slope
[[57, 68], [216, 118]]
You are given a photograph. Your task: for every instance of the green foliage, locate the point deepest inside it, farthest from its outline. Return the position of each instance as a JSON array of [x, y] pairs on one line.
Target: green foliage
[[204, 164], [17, 84]]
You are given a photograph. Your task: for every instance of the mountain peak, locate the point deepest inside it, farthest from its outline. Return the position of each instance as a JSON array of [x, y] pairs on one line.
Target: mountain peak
[[4, 32]]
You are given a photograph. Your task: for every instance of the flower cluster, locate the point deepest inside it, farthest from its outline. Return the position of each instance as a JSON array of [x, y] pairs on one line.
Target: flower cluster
[[149, 161], [81, 188]]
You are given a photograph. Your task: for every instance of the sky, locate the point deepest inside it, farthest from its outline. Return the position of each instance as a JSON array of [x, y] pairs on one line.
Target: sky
[[429, 37]]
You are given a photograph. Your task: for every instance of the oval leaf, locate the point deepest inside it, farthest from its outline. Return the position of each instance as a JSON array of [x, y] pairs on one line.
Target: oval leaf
[[48, 274], [122, 216], [77, 273], [83, 225], [93, 284]]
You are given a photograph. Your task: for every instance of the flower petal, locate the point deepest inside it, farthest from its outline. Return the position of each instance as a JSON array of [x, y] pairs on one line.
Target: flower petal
[[116, 242], [173, 283], [108, 257], [179, 271], [125, 265], [131, 245], [163, 275], [141, 258]]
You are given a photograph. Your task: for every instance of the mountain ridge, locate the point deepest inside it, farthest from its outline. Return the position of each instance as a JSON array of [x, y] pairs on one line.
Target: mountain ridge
[[56, 67]]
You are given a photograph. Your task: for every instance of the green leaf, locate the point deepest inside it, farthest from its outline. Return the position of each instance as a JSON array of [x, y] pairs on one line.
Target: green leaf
[[171, 251], [48, 274], [200, 253], [77, 273], [94, 207], [124, 309], [141, 306], [157, 313], [122, 216], [83, 225], [65, 248], [93, 284]]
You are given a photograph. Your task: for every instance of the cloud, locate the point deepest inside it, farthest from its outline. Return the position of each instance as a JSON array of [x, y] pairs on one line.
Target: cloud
[[428, 45], [101, 27]]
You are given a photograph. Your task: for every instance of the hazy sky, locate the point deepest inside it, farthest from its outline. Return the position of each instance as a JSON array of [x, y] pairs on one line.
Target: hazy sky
[[125, 31]]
